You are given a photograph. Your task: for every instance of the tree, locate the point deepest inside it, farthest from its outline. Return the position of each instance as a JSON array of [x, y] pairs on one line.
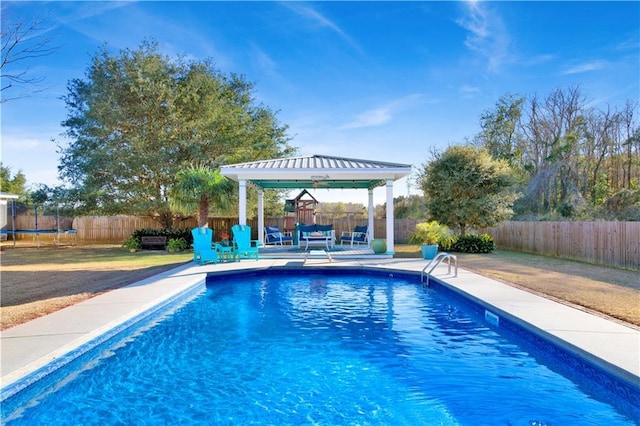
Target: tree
[[466, 187], [569, 158], [197, 188], [140, 117], [22, 42], [412, 206], [40, 195], [499, 130], [12, 185]]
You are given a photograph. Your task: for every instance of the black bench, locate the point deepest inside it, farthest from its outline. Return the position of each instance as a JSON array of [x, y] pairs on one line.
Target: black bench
[[153, 243]]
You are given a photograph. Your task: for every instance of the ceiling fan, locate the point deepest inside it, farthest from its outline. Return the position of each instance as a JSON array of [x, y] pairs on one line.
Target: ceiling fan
[[320, 181]]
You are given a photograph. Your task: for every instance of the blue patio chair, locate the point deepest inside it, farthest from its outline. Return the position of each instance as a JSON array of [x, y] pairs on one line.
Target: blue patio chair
[[243, 245], [273, 235], [203, 251], [357, 237]]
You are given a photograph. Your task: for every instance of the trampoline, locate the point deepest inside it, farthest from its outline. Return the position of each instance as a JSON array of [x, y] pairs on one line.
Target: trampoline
[[68, 233], [38, 232]]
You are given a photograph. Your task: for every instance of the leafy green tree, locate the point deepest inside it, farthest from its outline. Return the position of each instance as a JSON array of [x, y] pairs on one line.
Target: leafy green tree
[[412, 206], [273, 202], [15, 184], [140, 117], [499, 130], [40, 196], [342, 210], [197, 188], [467, 188]]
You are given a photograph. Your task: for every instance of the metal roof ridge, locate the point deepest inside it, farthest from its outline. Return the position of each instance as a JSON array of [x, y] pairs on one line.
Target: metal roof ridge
[[302, 159]]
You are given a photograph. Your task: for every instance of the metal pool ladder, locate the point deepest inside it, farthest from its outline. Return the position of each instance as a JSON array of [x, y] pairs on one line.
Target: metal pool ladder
[[436, 261]]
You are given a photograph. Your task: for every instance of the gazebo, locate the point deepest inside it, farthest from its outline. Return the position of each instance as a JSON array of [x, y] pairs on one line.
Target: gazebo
[[317, 171]]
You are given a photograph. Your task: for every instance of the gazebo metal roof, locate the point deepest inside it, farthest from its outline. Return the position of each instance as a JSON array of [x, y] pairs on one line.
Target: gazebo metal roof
[[316, 171]]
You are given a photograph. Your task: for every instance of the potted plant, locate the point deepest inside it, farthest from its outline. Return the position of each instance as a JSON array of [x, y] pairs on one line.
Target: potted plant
[[176, 244], [430, 235], [224, 239], [132, 244]]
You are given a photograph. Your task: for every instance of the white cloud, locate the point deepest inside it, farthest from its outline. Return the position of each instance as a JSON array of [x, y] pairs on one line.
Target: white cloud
[[468, 91], [263, 61], [85, 10], [36, 157], [487, 35], [382, 115], [17, 144], [371, 118], [585, 67], [322, 20], [538, 60]]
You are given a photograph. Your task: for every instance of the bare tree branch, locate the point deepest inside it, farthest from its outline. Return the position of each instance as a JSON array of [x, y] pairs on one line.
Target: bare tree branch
[[22, 42]]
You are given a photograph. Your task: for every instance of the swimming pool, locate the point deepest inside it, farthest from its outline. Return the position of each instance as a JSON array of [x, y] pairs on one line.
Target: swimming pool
[[323, 348]]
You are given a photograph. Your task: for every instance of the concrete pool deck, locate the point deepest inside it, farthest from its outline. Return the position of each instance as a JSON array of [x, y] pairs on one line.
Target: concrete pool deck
[[611, 345]]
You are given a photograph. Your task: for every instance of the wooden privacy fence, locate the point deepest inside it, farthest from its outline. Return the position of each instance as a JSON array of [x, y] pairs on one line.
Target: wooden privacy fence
[[603, 243], [115, 229], [28, 222]]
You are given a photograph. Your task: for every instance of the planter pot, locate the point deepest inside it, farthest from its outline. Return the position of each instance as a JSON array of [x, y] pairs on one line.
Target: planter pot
[[379, 246], [429, 251]]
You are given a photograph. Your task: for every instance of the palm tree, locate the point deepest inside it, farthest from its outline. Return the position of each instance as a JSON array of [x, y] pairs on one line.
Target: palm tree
[[197, 188]]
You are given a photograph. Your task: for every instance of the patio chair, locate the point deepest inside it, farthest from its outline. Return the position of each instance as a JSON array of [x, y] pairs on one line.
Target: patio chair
[[243, 245], [357, 237], [273, 235], [203, 251]]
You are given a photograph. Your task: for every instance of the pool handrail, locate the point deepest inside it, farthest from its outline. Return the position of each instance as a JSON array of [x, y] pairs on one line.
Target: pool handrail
[[436, 261]]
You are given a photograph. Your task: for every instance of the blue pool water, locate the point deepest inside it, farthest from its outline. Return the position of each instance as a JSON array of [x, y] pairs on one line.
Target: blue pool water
[[328, 349]]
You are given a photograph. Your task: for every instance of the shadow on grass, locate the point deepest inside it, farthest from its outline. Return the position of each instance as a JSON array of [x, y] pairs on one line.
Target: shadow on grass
[[28, 287], [31, 275]]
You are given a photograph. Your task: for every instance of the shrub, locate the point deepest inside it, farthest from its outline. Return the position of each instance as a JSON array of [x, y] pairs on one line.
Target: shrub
[[473, 243], [176, 244], [432, 233], [132, 243]]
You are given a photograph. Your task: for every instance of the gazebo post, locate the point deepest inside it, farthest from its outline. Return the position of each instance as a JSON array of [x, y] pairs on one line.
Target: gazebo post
[[260, 215], [390, 236], [242, 202], [370, 215], [13, 221]]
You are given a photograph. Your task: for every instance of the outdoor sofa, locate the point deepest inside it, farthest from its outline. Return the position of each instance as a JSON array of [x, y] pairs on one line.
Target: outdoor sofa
[[316, 235]]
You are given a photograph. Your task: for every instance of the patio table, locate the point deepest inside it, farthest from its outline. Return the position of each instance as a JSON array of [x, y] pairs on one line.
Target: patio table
[[227, 254]]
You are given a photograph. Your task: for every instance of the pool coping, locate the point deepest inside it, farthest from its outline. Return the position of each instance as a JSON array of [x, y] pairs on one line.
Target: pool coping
[[610, 345]]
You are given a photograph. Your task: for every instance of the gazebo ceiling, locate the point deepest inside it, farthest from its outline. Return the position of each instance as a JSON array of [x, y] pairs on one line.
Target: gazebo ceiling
[[316, 171]]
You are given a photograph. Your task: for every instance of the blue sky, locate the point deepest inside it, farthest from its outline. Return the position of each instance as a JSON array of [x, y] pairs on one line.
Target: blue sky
[[385, 81]]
